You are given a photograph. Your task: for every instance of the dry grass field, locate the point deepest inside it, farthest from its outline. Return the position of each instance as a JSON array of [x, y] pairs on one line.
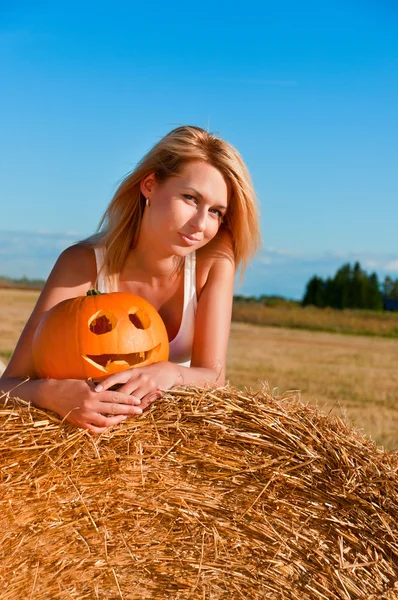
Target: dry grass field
[[294, 316], [354, 376], [15, 307]]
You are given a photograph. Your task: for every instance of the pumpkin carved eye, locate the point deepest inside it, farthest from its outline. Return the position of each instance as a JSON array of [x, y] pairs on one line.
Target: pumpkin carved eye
[[102, 322], [139, 318]]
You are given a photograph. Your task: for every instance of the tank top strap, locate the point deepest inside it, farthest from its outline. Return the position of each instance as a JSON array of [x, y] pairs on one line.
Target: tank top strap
[[104, 283], [190, 296], [181, 345]]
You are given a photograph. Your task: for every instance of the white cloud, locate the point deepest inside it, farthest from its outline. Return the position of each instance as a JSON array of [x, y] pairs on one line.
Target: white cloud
[[273, 271], [392, 266], [31, 254], [264, 260], [371, 264], [280, 251], [286, 272]]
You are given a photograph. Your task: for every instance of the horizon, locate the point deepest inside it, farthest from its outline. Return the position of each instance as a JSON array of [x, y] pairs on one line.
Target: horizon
[[306, 92], [32, 255]]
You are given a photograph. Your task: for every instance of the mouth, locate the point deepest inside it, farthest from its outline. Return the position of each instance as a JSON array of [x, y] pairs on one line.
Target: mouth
[[190, 239], [113, 363]]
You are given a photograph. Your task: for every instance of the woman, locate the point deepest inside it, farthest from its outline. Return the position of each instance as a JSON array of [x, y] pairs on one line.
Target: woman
[[175, 232]]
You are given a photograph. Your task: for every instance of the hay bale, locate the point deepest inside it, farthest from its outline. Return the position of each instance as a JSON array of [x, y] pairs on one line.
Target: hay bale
[[210, 494]]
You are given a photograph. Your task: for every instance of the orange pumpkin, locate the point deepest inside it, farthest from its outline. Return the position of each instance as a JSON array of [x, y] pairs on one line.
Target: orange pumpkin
[[98, 334]]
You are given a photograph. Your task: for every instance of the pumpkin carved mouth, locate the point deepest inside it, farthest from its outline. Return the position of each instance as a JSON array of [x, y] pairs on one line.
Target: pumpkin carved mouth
[[110, 363]]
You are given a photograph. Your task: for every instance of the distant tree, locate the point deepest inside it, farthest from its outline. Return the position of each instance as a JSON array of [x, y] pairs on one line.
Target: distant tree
[[357, 287], [351, 287], [342, 287], [23, 282], [331, 293], [390, 288], [373, 296], [315, 292]]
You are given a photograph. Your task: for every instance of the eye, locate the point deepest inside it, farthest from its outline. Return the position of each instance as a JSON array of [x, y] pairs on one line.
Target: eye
[[189, 197], [216, 213]]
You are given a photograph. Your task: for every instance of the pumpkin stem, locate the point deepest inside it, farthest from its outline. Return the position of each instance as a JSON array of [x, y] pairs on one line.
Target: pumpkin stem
[[93, 293]]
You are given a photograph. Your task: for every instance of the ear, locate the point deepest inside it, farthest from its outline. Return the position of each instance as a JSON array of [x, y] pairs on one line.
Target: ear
[[146, 185]]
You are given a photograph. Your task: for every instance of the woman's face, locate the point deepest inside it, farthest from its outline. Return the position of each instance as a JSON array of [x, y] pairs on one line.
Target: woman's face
[[185, 211]]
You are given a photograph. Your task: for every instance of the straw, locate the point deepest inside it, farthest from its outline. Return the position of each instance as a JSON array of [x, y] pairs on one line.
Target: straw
[[210, 494]]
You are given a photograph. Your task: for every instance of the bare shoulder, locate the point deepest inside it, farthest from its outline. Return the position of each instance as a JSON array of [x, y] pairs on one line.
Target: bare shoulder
[[216, 259], [218, 249], [75, 267], [73, 275]]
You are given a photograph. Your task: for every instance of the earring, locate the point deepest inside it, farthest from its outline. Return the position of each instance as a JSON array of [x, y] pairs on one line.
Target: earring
[[147, 202]]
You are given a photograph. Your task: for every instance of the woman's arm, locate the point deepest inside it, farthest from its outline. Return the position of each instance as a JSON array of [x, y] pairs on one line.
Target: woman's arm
[[70, 277], [212, 326], [213, 316], [75, 400]]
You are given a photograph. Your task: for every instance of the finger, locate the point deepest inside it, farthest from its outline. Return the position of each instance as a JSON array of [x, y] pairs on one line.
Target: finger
[[115, 379], [118, 400], [149, 398], [110, 403], [96, 430], [114, 409], [140, 386], [110, 422]]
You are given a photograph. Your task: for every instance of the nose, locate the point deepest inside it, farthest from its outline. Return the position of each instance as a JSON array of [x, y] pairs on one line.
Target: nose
[[198, 220]]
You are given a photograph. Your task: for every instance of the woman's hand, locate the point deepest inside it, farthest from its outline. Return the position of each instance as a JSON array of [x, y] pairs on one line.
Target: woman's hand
[[78, 402], [144, 383]]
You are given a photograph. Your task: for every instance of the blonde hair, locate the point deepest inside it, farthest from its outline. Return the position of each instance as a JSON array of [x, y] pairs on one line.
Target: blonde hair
[[119, 227]]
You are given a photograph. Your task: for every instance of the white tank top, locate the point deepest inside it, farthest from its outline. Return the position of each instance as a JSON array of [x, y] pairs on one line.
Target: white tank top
[[181, 345]]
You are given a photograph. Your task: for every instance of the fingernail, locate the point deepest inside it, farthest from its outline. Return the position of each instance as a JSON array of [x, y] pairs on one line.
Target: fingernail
[[139, 411], [125, 417], [98, 388]]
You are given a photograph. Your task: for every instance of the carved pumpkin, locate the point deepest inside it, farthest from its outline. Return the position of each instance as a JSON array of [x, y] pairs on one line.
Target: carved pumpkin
[[98, 334]]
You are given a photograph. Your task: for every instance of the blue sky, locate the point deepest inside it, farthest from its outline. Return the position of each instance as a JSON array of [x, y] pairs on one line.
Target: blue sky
[[307, 91]]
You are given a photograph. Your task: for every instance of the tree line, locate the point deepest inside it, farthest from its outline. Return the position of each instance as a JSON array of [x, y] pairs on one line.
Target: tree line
[[22, 283], [351, 287]]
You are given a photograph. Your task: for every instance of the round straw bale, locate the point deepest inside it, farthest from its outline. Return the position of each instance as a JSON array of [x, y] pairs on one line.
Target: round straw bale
[[216, 494]]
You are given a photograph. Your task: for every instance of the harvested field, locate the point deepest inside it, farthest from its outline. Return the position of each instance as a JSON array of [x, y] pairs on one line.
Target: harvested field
[[16, 307], [293, 316], [207, 495], [351, 375]]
